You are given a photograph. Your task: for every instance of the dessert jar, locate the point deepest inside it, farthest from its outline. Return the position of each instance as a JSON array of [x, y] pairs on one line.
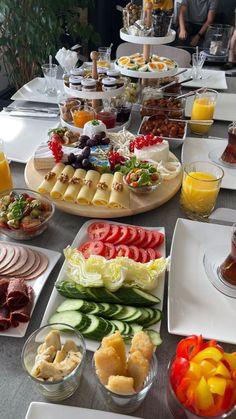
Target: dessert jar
[[77, 71], [115, 74], [75, 82], [109, 83], [89, 85]]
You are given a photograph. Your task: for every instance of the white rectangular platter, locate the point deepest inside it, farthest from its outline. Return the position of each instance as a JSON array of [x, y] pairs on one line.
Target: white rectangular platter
[[225, 107], [213, 79], [22, 135], [48, 411], [198, 149], [56, 299], [37, 285], [194, 306], [34, 91]]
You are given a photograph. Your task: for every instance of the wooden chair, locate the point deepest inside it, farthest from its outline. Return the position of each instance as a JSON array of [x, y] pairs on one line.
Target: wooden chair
[[181, 56]]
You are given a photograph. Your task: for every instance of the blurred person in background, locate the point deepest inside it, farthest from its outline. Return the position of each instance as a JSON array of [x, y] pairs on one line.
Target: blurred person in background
[[195, 16], [160, 4], [232, 52]]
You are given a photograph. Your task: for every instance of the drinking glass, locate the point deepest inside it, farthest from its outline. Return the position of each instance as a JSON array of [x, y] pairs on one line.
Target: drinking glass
[[5, 173], [200, 188], [82, 114], [178, 410], [197, 63], [65, 387], [104, 57], [227, 269], [203, 109], [229, 154], [50, 76]]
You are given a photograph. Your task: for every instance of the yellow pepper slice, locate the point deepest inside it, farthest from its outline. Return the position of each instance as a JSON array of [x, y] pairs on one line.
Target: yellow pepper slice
[[217, 385], [231, 359], [194, 371], [203, 397], [207, 367], [221, 369], [208, 353]]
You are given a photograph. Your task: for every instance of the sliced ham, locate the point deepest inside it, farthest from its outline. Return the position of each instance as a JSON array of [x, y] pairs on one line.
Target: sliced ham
[[17, 294]]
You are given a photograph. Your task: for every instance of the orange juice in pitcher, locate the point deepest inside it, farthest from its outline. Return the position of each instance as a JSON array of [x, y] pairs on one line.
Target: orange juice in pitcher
[[5, 174]]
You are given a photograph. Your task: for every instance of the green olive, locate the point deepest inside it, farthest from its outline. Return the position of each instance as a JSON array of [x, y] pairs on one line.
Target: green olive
[[26, 219], [35, 213], [6, 200], [13, 223], [35, 204], [10, 216]]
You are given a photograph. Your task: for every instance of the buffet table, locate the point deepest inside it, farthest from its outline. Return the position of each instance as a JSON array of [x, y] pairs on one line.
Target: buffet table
[[16, 389]]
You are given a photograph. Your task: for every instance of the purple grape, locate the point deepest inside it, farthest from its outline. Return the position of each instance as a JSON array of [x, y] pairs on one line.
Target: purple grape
[[92, 142], [85, 163], [79, 158], [105, 141], [102, 134], [86, 152], [83, 138], [71, 158]]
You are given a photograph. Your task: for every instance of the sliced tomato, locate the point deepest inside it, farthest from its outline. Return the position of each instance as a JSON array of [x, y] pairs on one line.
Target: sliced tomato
[[151, 253], [158, 254], [161, 239], [143, 256], [110, 251], [147, 239], [123, 236], [141, 236], [134, 253], [133, 235], [157, 239], [99, 231], [89, 248], [123, 250], [114, 233]]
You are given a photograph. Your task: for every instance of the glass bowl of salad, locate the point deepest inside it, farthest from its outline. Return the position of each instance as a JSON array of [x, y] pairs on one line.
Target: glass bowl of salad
[[24, 214], [143, 179]]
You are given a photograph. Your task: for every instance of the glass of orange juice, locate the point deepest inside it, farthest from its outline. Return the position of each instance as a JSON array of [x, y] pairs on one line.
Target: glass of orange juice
[[82, 114], [5, 174], [200, 188], [203, 109]]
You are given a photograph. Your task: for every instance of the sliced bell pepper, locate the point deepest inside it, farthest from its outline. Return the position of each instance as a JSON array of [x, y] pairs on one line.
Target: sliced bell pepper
[[189, 347], [179, 368], [230, 359], [208, 368], [194, 371], [203, 397], [222, 370], [208, 353], [217, 385]]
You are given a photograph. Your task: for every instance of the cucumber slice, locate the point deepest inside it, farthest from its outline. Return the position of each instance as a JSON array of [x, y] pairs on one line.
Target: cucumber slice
[[70, 304], [145, 315], [157, 316], [135, 328], [72, 318], [136, 297], [148, 299], [119, 309], [98, 327], [104, 295], [154, 336], [119, 325], [129, 314]]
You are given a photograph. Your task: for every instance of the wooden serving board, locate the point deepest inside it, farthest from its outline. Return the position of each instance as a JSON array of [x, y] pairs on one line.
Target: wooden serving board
[[138, 202]]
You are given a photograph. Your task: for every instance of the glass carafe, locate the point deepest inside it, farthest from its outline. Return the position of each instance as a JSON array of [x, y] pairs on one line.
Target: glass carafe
[[5, 174]]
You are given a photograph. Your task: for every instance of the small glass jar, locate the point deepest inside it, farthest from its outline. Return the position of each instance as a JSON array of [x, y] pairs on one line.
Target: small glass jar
[[107, 116], [75, 82], [109, 83], [77, 71], [89, 85], [81, 115], [115, 74]]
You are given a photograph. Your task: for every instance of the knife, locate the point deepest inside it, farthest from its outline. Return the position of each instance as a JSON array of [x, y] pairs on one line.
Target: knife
[[28, 109]]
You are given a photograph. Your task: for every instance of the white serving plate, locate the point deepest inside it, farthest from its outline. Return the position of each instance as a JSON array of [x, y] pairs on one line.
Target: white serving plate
[[198, 149], [56, 299], [37, 285], [194, 306], [94, 95], [22, 135], [34, 91], [225, 106], [213, 79], [38, 410], [148, 40], [173, 142], [146, 74]]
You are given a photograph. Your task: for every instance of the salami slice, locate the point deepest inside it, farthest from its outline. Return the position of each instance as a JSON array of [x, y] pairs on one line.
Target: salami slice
[[22, 269], [10, 251], [22, 315], [5, 321], [41, 268], [17, 264], [17, 294]]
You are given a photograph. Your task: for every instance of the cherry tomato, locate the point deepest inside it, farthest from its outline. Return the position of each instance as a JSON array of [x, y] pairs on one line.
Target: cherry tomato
[[92, 248], [134, 253], [133, 235], [110, 251], [99, 231], [114, 233], [143, 256], [123, 250], [157, 239], [147, 239], [141, 236], [151, 253], [123, 235]]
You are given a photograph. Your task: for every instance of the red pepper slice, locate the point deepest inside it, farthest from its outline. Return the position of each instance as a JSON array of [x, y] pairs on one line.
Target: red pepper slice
[[178, 370], [187, 348]]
